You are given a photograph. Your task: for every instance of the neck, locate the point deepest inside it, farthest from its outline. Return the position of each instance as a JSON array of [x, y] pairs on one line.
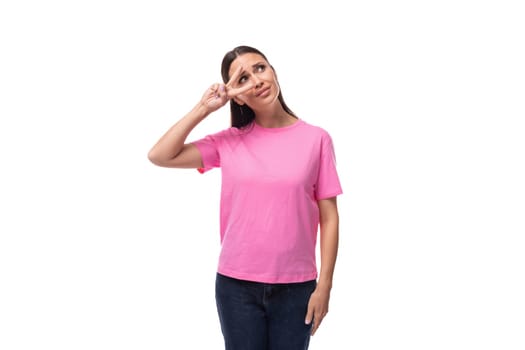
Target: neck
[[274, 118]]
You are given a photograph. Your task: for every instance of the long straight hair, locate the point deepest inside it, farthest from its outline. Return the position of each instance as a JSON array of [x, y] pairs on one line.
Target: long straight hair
[[242, 115]]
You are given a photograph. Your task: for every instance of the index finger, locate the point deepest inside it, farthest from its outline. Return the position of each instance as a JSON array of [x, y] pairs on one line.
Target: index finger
[[315, 325], [234, 91], [234, 76]]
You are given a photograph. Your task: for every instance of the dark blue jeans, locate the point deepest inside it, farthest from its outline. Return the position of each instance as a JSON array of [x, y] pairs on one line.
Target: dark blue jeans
[[263, 316]]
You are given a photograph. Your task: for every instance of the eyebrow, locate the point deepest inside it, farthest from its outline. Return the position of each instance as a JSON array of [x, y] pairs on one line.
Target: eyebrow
[[253, 66], [257, 64]]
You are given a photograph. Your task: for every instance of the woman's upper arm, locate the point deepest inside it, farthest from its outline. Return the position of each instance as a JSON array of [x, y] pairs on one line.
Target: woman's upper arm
[[189, 157], [328, 209]]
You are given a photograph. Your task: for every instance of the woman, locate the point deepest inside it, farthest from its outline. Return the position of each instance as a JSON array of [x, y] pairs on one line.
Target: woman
[[279, 186]]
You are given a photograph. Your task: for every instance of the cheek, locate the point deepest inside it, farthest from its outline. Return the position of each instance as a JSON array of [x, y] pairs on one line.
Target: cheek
[[273, 78], [240, 98]]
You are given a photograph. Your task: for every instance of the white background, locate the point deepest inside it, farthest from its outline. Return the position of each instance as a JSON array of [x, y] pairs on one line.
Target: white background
[[99, 249]]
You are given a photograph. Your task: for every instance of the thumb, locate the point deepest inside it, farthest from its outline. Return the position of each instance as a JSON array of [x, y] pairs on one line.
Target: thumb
[[309, 315]]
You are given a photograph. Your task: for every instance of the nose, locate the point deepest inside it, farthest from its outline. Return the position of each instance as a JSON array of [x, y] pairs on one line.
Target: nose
[[257, 81]]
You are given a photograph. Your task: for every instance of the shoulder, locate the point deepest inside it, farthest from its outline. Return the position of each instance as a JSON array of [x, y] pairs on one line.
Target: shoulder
[[315, 130], [225, 133]]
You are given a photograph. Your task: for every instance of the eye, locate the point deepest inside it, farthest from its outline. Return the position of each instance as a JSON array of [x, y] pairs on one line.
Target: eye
[[260, 68], [243, 79]]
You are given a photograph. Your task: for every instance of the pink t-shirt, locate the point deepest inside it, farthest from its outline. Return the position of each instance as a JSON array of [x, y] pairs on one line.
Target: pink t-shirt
[[272, 179]]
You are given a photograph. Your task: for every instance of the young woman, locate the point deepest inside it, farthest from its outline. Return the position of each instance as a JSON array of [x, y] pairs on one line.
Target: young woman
[[279, 186]]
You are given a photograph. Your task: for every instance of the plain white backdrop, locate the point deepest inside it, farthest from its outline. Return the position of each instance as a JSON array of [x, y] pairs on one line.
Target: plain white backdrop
[[424, 100]]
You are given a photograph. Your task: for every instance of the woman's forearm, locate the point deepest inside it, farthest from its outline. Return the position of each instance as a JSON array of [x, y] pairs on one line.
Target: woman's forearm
[[172, 142]]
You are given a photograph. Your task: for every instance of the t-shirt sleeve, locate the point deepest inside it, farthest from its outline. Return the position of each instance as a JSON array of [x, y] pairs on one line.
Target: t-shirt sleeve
[[209, 150], [328, 183]]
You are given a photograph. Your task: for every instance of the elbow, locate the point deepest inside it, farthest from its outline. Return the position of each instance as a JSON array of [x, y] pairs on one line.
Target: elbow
[[161, 160], [154, 158]]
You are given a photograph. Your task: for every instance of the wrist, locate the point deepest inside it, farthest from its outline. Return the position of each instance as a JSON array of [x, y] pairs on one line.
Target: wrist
[[201, 110], [325, 286]]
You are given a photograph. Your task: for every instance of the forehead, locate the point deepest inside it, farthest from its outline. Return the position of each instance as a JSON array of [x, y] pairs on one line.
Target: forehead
[[246, 61]]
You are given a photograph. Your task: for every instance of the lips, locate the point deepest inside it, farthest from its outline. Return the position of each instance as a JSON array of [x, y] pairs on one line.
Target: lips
[[263, 91]]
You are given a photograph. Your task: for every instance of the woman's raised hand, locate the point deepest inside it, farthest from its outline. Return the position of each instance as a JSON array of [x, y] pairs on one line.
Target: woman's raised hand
[[217, 95]]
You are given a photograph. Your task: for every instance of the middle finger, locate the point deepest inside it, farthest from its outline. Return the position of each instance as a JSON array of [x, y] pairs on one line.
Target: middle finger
[[232, 92]]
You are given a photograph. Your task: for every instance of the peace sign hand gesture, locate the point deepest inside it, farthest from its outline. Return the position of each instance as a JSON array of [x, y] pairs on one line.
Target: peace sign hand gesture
[[217, 95]]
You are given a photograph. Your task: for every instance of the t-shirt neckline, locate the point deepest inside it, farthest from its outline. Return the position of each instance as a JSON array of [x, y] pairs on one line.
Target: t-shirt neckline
[[279, 129]]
